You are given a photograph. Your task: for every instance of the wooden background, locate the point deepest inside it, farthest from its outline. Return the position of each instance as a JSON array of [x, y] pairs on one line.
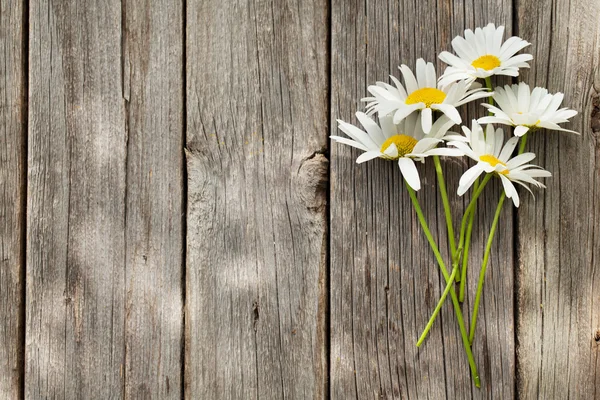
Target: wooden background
[[174, 221]]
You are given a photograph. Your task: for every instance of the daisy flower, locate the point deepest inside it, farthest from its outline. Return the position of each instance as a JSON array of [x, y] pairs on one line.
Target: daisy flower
[[528, 110], [494, 157], [482, 54], [421, 94], [405, 142]]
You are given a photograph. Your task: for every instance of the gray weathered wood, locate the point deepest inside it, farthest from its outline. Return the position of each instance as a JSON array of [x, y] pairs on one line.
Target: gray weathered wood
[[12, 195], [153, 86], [104, 207], [384, 279], [558, 276], [76, 192], [76, 202], [256, 287]]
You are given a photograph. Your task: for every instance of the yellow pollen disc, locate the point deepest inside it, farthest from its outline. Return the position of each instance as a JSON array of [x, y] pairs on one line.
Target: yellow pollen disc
[[490, 159], [505, 172], [405, 144], [428, 96], [487, 62]]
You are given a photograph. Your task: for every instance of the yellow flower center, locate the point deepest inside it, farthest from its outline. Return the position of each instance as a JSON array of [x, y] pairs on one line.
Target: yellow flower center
[[427, 95], [487, 62], [404, 144], [490, 159]]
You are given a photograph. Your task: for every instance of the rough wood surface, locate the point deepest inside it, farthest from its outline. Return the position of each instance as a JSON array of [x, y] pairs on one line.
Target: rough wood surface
[[12, 194], [558, 276], [384, 279], [153, 86], [256, 288], [76, 202], [91, 159], [104, 250]]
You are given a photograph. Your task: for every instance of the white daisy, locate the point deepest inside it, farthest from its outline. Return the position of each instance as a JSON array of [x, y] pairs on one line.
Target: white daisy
[[492, 157], [526, 110], [421, 94], [482, 54], [405, 142]]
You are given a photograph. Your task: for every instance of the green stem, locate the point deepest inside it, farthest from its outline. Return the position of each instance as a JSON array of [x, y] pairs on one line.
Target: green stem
[[486, 257], [522, 144], [488, 84], [444, 194], [465, 255], [438, 256], [467, 243], [438, 307], [470, 207]]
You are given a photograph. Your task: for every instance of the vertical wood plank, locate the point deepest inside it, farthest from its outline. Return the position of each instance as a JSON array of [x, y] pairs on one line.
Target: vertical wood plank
[[384, 279], [559, 248], [76, 202], [12, 194], [153, 90], [104, 252], [256, 287]]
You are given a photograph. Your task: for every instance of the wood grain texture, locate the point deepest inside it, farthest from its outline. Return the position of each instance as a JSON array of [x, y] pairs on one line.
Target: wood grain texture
[[13, 115], [104, 251], [153, 89], [256, 280], [76, 202], [558, 276], [384, 279]]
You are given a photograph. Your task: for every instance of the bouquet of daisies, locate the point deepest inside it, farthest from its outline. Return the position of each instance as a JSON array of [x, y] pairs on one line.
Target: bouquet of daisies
[[410, 122]]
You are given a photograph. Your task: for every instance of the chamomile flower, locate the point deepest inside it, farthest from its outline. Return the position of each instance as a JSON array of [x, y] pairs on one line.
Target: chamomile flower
[[405, 142], [528, 110], [482, 54], [422, 94], [493, 156]]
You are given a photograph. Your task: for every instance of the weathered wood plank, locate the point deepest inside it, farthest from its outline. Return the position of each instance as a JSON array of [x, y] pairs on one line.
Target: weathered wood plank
[[76, 202], [559, 248], [153, 86], [13, 114], [104, 251], [256, 287], [384, 279]]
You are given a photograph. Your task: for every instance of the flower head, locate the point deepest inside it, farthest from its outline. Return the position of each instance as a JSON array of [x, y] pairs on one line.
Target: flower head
[[421, 94], [405, 142], [493, 156], [482, 54], [528, 110]]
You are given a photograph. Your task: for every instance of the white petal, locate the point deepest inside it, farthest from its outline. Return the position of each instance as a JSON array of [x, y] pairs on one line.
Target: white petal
[[449, 110], [409, 172], [519, 160], [430, 75], [508, 149], [409, 79], [443, 151], [467, 179], [464, 49], [391, 151], [368, 155], [357, 134], [405, 111], [521, 130], [372, 128], [421, 73], [510, 190], [425, 144], [349, 142], [426, 118]]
